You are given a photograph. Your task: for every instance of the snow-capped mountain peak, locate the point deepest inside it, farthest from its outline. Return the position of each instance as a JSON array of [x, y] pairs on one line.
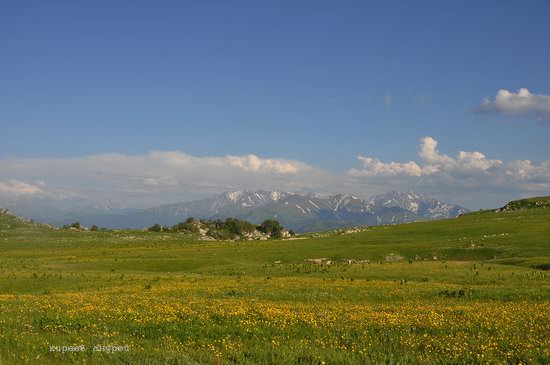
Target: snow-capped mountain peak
[[293, 208], [301, 212]]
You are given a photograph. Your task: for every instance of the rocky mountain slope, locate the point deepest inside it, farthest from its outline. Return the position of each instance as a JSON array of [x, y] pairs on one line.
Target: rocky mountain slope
[[300, 212]]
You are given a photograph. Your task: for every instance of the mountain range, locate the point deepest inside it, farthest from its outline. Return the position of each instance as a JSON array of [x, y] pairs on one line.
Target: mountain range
[[300, 212]]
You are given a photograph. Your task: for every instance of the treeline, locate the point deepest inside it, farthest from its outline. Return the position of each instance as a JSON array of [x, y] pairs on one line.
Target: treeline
[[227, 229], [77, 225]]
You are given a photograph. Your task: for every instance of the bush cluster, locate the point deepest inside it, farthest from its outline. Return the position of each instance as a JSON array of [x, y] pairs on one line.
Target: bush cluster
[[72, 225], [221, 230]]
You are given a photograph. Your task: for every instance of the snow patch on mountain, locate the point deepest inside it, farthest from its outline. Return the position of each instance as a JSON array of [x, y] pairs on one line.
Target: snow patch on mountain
[[234, 195], [316, 212], [275, 195]]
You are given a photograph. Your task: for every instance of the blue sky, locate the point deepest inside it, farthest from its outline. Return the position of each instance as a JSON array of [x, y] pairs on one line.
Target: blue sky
[[319, 82]]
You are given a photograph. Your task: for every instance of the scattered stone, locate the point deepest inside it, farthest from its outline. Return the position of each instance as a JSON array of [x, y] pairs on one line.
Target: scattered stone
[[393, 257]]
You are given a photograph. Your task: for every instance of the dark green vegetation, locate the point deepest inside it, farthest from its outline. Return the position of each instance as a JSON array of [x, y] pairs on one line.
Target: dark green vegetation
[[474, 289], [229, 229], [75, 225]]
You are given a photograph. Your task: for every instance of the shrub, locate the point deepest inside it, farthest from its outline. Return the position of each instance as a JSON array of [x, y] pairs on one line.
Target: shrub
[[72, 225], [187, 226], [238, 227], [271, 227], [542, 266], [155, 228]]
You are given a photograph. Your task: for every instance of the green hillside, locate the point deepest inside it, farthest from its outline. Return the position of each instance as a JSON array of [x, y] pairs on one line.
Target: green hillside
[[9, 221], [382, 294], [530, 203], [474, 236]]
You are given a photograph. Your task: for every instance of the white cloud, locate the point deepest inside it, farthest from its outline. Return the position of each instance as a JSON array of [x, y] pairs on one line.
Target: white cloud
[[468, 171], [158, 176], [375, 167], [465, 162], [521, 103], [161, 177], [387, 100], [429, 153], [435, 163], [18, 188], [525, 169], [160, 181], [179, 159], [256, 164]]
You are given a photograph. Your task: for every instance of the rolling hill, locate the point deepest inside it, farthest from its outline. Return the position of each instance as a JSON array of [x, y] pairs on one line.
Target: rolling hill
[[413, 288]]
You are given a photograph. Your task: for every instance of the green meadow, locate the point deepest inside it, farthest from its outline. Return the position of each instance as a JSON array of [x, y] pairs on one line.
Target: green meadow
[[473, 289]]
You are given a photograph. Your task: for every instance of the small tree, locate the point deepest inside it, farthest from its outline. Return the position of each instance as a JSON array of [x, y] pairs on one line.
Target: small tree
[[238, 227], [94, 228], [155, 228], [188, 226], [271, 227]]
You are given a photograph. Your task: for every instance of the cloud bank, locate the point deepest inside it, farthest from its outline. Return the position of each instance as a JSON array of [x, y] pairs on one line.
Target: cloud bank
[[157, 177], [18, 188], [521, 103], [469, 171], [470, 177]]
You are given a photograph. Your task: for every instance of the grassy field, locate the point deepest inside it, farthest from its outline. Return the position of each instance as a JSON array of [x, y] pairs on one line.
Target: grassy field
[[474, 289]]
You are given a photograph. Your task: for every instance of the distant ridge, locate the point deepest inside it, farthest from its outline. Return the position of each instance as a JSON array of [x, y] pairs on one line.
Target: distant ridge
[[300, 212]]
